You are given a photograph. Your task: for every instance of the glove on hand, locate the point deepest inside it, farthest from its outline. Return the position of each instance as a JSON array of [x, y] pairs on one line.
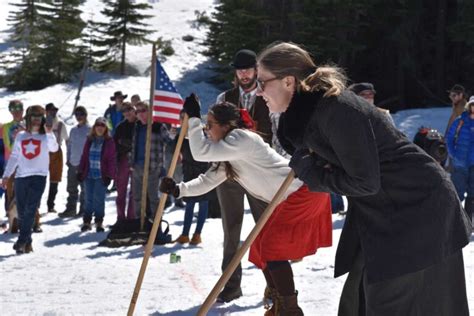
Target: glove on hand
[[168, 185], [192, 107], [301, 162]]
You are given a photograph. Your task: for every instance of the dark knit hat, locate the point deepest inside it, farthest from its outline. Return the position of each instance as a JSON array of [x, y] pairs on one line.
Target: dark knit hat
[[361, 86], [244, 59]]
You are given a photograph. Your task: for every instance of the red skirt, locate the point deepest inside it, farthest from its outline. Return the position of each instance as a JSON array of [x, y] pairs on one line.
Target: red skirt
[[297, 228]]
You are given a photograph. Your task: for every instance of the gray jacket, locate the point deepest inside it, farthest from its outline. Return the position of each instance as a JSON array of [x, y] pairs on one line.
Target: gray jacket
[[75, 143]]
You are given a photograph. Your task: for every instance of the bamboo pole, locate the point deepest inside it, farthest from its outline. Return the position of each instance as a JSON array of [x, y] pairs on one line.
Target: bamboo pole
[[246, 245], [146, 166], [156, 221]]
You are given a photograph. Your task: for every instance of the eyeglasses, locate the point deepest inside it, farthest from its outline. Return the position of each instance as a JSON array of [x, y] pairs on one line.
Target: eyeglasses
[[100, 125], [209, 124], [261, 83]]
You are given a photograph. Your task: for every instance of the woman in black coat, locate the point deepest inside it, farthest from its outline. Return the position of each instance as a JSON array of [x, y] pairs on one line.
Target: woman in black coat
[[405, 229]]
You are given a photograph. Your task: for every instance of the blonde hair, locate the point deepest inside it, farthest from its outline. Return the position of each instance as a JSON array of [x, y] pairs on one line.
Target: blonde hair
[[288, 59]]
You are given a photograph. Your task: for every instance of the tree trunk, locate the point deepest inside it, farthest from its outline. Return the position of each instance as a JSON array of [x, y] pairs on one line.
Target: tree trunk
[[440, 47]]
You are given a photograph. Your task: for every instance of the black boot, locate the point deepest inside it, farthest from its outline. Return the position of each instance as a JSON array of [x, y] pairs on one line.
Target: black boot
[[86, 225], [53, 190], [98, 225]]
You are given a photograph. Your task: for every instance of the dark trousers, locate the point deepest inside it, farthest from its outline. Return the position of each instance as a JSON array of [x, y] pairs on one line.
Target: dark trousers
[[73, 191], [231, 199], [124, 174], [437, 290], [28, 192]]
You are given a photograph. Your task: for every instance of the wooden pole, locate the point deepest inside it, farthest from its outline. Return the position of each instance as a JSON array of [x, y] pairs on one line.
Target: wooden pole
[[146, 166], [246, 245], [156, 221]]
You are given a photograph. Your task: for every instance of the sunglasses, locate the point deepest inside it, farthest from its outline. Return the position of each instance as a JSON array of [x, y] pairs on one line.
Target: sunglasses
[[16, 108], [100, 125], [261, 83]]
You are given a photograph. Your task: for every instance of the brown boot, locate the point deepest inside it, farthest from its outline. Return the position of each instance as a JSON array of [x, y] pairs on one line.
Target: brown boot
[[271, 301], [289, 306], [196, 240], [183, 239]]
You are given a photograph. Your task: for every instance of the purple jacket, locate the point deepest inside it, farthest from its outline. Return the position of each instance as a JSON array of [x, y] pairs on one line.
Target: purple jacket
[[107, 160]]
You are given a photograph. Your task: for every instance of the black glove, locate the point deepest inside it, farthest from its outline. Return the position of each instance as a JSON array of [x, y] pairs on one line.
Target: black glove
[[107, 181], [79, 176], [168, 185], [301, 161], [192, 107]]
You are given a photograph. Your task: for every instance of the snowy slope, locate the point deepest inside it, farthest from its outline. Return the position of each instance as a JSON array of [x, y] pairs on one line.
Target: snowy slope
[[68, 274]]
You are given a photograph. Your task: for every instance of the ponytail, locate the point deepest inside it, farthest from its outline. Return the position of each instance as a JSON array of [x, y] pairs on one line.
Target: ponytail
[[331, 80]]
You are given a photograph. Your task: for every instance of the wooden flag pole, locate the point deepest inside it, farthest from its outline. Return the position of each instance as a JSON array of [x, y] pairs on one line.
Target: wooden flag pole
[[156, 221], [146, 166], [246, 245]]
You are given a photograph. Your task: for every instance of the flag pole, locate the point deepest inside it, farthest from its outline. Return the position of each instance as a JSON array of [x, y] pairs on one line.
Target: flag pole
[[149, 119], [156, 221]]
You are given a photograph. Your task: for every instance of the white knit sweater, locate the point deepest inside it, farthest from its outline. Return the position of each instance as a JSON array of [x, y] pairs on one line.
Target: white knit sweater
[[260, 170], [30, 155]]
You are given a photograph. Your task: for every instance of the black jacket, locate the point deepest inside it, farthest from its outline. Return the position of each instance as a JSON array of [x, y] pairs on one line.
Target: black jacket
[[404, 212], [123, 139]]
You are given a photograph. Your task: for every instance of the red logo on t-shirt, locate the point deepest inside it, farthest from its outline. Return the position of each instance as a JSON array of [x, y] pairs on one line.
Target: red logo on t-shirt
[[30, 148]]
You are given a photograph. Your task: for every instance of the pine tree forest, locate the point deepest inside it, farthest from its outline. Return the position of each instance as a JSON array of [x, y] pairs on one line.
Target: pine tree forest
[[411, 50]]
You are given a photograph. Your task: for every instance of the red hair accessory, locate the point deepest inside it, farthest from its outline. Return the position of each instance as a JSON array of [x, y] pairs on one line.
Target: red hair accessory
[[247, 119]]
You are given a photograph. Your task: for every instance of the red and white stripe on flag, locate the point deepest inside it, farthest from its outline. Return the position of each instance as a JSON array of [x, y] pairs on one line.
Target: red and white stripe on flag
[[167, 102]]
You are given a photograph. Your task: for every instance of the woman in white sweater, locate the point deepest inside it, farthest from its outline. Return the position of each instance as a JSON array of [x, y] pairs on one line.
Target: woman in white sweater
[[30, 160], [299, 225]]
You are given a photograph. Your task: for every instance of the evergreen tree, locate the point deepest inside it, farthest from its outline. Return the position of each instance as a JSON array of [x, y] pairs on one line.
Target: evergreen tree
[[125, 26], [21, 63], [63, 54]]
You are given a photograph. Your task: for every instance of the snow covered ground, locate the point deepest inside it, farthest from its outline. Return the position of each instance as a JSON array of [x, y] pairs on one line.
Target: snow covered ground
[[68, 274]]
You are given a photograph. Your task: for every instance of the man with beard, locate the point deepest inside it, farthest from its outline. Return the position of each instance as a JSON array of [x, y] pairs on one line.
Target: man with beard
[[231, 193]]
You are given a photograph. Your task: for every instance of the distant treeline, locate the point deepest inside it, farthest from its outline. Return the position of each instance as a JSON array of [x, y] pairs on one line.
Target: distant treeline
[[411, 50]]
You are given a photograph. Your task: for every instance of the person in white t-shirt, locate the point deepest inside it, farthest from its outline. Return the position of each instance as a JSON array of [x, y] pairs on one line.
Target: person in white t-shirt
[[30, 160]]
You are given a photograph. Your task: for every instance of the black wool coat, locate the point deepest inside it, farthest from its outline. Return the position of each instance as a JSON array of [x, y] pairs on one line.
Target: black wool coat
[[404, 214]]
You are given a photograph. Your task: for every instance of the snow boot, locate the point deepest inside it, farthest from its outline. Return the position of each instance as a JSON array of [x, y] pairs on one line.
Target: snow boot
[[271, 301], [183, 239], [37, 224], [289, 306], [19, 248], [86, 225], [98, 225], [28, 248], [229, 294], [67, 213], [196, 240]]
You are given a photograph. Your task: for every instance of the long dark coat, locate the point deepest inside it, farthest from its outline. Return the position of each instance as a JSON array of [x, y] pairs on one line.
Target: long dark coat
[[404, 213]]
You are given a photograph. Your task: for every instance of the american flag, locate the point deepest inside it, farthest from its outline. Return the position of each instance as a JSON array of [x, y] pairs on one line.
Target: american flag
[[167, 102]]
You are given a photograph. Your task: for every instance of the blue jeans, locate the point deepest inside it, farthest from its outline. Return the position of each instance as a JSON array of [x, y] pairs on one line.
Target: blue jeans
[[337, 204], [95, 198], [463, 180], [28, 192], [188, 216]]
